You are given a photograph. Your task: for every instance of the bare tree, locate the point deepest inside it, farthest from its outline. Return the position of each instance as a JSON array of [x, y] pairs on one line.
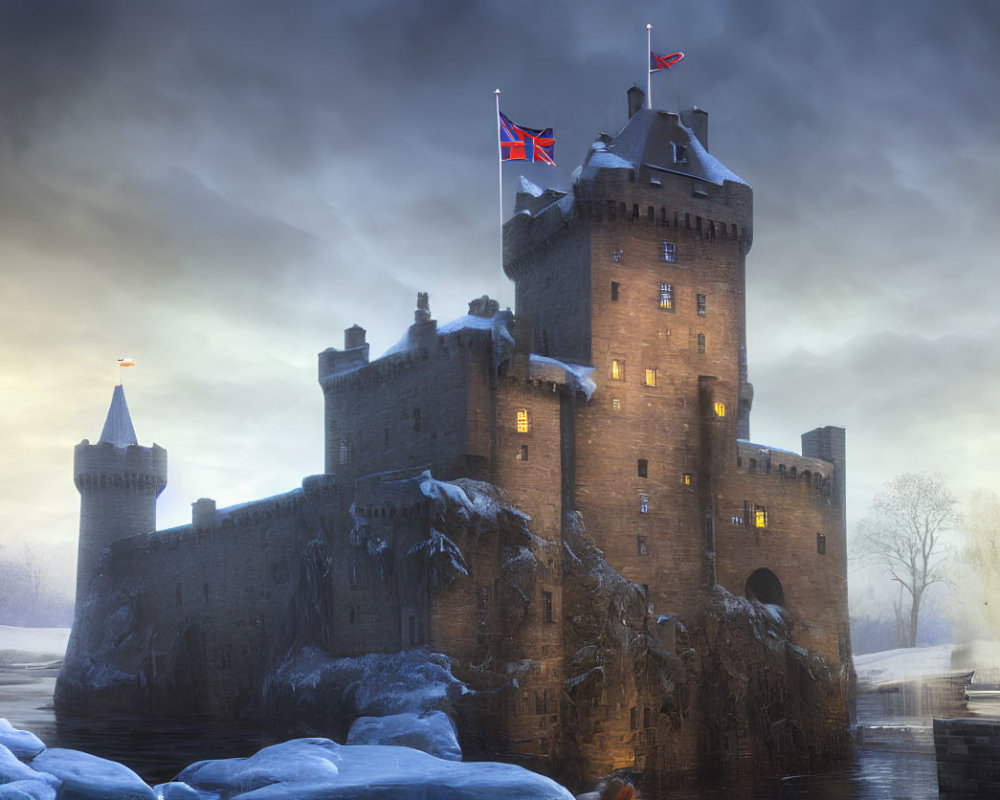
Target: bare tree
[[906, 530]]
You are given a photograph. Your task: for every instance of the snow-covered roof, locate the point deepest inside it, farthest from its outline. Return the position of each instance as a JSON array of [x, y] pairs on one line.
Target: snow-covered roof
[[575, 376], [118, 428], [649, 139]]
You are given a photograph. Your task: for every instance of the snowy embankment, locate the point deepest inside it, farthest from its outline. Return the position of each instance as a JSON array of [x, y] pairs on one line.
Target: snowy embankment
[[905, 664], [302, 769], [30, 645]]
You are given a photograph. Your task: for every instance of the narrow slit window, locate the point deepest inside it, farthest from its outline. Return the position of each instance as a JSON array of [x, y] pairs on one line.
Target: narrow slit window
[[702, 301], [643, 503], [614, 291], [617, 369], [547, 606], [643, 468], [701, 344], [821, 543], [651, 377]]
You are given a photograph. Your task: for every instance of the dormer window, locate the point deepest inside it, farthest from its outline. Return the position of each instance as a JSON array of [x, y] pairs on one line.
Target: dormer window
[[680, 153]]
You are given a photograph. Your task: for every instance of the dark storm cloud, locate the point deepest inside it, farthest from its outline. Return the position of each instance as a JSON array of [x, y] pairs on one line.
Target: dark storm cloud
[[245, 179]]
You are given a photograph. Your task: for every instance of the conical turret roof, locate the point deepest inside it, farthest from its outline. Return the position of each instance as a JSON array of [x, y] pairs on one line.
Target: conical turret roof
[[118, 428]]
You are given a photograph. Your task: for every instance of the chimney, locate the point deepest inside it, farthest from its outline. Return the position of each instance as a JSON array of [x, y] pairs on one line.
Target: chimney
[[636, 100], [697, 120]]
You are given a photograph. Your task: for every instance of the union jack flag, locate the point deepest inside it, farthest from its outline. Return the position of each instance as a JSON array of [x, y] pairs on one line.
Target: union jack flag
[[656, 63], [518, 143]]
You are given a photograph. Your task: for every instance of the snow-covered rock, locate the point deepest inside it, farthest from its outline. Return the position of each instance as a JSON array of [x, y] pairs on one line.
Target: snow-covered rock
[[13, 770], [433, 733], [87, 777], [28, 790], [23, 744], [319, 769]]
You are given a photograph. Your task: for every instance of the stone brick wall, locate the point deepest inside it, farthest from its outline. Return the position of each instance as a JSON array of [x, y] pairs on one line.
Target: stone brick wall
[[968, 758]]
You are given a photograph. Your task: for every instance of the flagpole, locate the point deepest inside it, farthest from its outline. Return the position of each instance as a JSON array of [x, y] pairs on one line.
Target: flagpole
[[649, 71], [500, 187]]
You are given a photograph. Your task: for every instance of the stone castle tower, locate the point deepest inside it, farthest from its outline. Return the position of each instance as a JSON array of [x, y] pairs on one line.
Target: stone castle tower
[[119, 481]]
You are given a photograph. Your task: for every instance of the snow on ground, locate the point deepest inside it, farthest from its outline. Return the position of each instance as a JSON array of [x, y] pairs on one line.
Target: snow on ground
[[38, 643], [301, 769], [905, 664]]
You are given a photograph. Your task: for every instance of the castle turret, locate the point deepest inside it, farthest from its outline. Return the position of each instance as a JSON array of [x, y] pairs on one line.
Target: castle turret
[[119, 482]]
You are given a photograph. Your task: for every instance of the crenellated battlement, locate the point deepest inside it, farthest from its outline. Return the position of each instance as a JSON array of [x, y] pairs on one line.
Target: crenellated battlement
[[107, 466], [769, 463]]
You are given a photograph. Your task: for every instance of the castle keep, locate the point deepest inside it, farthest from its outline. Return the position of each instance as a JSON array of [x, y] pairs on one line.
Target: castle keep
[[565, 501]]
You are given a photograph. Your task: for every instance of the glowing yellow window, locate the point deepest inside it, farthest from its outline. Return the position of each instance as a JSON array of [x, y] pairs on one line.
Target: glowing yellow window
[[687, 478], [523, 424], [760, 517], [651, 377], [720, 409], [617, 369]]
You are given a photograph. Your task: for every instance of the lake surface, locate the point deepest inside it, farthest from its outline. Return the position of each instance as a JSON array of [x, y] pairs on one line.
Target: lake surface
[[895, 761]]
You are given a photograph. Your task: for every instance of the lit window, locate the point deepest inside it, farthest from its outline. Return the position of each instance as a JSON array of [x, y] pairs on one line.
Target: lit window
[[651, 377], [643, 503], [821, 543], [643, 468], [701, 344], [720, 409], [523, 423], [617, 369], [666, 297], [759, 517], [617, 255], [687, 478], [669, 251], [614, 290], [642, 546], [616, 404], [702, 304]]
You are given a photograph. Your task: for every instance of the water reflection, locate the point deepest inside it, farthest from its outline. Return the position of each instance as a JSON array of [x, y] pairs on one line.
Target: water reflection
[[896, 760]]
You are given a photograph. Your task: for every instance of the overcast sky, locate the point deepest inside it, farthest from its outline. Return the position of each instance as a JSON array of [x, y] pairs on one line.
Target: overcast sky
[[218, 189]]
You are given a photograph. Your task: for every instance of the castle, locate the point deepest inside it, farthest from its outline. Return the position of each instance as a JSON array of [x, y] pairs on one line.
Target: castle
[[565, 501]]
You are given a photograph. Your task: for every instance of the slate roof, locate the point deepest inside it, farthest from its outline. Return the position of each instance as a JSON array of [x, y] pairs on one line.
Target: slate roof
[[118, 428]]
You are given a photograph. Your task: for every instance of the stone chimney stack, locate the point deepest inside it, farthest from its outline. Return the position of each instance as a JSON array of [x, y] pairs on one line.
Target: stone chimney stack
[[697, 120], [636, 100]]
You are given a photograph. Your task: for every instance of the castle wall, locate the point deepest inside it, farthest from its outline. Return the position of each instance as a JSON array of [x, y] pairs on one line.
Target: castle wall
[[213, 608], [799, 539], [411, 409]]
